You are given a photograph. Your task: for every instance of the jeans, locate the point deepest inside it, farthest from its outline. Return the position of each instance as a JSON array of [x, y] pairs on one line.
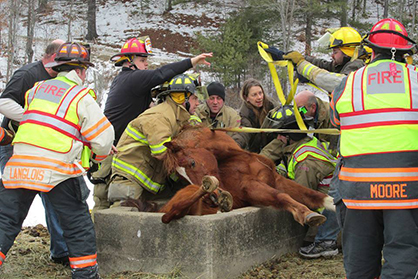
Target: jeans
[[330, 229], [58, 246]]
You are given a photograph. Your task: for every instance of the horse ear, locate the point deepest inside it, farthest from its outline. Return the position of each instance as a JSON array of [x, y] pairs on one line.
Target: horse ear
[[173, 146]]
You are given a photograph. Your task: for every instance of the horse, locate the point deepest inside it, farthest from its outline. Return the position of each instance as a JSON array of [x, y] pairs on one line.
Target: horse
[[245, 179]]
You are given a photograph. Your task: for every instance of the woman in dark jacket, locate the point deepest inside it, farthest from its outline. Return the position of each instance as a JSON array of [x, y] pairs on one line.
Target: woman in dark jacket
[[253, 111]]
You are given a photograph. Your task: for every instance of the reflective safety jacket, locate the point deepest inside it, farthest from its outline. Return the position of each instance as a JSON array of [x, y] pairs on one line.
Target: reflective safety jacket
[[143, 140], [376, 109], [310, 164], [60, 118]]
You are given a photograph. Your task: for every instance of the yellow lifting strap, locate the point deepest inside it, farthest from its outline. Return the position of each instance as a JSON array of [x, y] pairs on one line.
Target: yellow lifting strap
[[293, 83], [330, 131]]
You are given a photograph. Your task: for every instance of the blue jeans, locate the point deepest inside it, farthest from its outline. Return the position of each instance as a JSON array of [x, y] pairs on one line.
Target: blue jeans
[[58, 246], [330, 229]]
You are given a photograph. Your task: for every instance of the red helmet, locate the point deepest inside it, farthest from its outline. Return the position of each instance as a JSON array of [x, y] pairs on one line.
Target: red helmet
[[389, 33], [132, 47]]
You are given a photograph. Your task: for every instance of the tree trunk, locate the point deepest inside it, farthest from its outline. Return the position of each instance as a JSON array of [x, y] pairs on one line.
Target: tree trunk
[[308, 31], [42, 5], [385, 8], [30, 30], [353, 12], [169, 5], [91, 21], [364, 7], [14, 7], [343, 18], [70, 19]]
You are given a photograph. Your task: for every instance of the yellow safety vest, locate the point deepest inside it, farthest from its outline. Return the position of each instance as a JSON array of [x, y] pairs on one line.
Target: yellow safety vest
[[51, 120], [315, 149], [378, 112]]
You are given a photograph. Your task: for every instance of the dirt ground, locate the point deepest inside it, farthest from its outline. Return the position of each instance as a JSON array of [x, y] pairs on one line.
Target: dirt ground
[[29, 258]]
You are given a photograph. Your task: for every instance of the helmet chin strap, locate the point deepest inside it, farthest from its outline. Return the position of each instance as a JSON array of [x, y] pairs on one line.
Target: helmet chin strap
[[393, 51], [132, 64]]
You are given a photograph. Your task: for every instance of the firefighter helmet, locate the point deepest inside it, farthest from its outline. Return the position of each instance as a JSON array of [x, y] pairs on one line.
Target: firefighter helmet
[[346, 39], [133, 47], [284, 118], [72, 54], [389, 33], [181, 87]]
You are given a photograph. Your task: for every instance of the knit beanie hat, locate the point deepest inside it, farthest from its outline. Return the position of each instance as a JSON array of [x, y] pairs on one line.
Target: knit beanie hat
[[216, 88]]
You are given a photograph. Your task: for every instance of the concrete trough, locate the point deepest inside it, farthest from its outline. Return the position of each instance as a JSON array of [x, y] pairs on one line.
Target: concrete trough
[[222, 245]]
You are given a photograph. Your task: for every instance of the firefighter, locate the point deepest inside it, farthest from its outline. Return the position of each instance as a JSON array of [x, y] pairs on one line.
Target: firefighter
[[306, 160], [375, 108], [328, 74], [137, 168], [214, 113], [130, 95], [12, 102], [314, 107], [60, 118]]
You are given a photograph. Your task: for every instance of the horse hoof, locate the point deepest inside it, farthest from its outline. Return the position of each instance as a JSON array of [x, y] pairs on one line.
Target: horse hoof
[[314, 219], [225, 201], [209, 183]]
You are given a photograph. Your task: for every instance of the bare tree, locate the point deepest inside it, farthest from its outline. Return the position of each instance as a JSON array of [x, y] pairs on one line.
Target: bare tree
[[169, 6], [70, 19], [30, 30], [91, 20], [42, 4], [286, 9], [385, 8], [14, 8]]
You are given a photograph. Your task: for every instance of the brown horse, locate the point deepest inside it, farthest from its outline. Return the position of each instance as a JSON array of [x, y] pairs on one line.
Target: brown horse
[[250, 178]]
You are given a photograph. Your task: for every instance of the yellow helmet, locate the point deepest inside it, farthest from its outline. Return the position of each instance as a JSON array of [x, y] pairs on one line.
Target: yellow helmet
[[345, 38]]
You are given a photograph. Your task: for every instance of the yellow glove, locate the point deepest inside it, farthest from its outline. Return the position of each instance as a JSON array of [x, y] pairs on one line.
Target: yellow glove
[[295, 57]]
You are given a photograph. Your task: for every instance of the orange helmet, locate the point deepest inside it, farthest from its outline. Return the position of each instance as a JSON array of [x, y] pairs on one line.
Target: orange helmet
[[132, 47], [389, 33], [72, 54]]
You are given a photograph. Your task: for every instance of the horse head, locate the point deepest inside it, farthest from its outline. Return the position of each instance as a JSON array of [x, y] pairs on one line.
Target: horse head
[[190, 163]]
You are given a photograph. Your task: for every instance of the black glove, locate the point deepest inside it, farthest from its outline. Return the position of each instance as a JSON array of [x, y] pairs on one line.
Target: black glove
[[276, 54]]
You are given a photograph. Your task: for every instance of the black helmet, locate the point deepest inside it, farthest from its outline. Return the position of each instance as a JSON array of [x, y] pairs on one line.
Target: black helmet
[[284, 118]]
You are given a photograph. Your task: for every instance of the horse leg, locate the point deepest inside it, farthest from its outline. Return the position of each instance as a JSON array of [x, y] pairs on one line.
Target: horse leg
[[258, 193], [311, 198], [181, 203]]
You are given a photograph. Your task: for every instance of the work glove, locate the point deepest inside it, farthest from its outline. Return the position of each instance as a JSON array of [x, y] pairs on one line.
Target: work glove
[[275, 53], [6, 136], [295, 57]]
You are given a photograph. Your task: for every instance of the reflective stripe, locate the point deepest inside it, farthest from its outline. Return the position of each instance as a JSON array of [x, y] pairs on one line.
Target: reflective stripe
[[95, 130], [36, 186], [41, 162], [136, 135], [382, 204], [378, 117], [413, 77], [82, 262], [378, 174], [2, 257], [326, 181], [138, 174], [1, 134], [67, 100], [357, 89], [59, 124], [159, 148], [32, 92], [307, 69]]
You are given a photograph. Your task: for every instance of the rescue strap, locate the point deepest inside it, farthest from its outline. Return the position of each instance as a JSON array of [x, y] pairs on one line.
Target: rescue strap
[[329, 131], [293, 83]]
